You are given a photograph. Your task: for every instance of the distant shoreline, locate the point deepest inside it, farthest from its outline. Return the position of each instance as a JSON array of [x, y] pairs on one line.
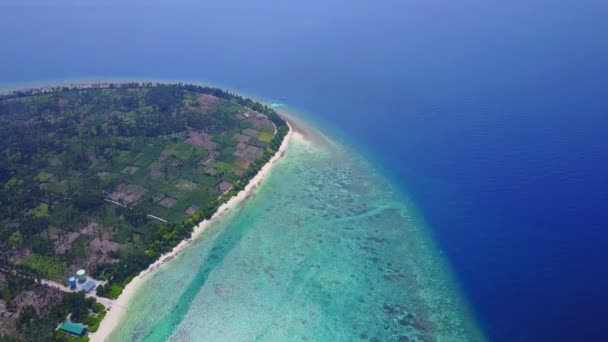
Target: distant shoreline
[[104, 83], [18, 91], [119, 308]]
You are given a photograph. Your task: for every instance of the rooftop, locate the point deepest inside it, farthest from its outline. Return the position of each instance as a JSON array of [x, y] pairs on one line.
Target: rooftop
[[88, 286], [73, 328]]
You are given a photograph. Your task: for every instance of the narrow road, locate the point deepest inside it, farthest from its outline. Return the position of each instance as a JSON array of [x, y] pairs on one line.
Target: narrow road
[[93, 294], [124, 206]]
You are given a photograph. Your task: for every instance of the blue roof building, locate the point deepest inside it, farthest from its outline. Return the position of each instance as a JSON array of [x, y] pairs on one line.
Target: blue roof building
[[73, 328], [88, 286]]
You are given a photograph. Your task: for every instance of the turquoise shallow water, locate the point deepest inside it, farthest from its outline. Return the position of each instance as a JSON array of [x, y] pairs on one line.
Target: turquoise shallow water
[[327, 250]]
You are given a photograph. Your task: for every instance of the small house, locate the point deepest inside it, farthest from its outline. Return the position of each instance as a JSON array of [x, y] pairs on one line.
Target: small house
[[88, 286], [73, 328]]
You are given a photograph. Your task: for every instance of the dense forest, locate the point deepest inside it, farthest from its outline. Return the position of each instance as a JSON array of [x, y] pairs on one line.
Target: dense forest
[[107, 178]]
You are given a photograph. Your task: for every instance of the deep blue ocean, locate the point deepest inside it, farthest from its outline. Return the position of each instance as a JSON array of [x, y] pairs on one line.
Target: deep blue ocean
[[491, 115]]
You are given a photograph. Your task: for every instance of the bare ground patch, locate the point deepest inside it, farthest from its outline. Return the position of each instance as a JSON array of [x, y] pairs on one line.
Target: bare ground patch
[[198, 138], [102, 248], [247, 152], [224, 186], [63, 242], [155, 174], [260, 122], [254, 133], [242, 164], [167, 202], [207, 102], [91, 229], [192, 209], [127, 194]]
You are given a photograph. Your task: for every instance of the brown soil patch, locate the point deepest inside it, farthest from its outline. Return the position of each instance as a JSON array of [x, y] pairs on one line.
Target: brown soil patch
[[224, 186], [242, 163], [90, 229], [259, 122], [155, 174], [64, 242], [198, 138], [251, 132], [207, 102], [241, 138], [247, 152], [192, 209], [127, 194], [103, 246], [167, 202]]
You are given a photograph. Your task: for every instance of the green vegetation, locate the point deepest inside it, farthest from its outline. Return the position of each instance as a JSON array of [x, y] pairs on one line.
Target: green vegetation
[[112, 290], [43, 176], [108, 178], [93, 318], [265, 137], [41, 210], [48, 267], [38, 324], [13, 287]]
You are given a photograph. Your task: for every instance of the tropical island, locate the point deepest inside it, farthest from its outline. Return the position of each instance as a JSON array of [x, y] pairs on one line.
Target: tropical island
[[97, 181]]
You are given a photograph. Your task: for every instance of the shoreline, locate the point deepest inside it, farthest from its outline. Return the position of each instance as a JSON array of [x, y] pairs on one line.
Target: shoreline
[[119, 306]]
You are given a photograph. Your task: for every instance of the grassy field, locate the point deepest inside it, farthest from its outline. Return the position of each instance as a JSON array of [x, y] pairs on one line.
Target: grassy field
[[115, 291], [49, 267], [41, 210], [265, 137]]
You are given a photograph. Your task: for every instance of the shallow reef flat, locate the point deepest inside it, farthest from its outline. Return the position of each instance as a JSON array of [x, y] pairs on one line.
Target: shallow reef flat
[[326, 250]]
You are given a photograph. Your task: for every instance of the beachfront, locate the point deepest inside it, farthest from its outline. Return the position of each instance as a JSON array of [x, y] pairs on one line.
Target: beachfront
[[119, 308]]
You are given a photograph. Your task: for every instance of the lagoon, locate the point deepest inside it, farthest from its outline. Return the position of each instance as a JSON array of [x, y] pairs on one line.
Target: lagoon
[[326, 249]]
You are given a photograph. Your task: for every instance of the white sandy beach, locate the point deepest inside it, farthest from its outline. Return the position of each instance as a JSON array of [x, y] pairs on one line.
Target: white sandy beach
[[118, 309]]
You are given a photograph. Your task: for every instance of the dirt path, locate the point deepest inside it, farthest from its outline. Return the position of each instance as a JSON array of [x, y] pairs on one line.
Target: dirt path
[[104, 301]]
